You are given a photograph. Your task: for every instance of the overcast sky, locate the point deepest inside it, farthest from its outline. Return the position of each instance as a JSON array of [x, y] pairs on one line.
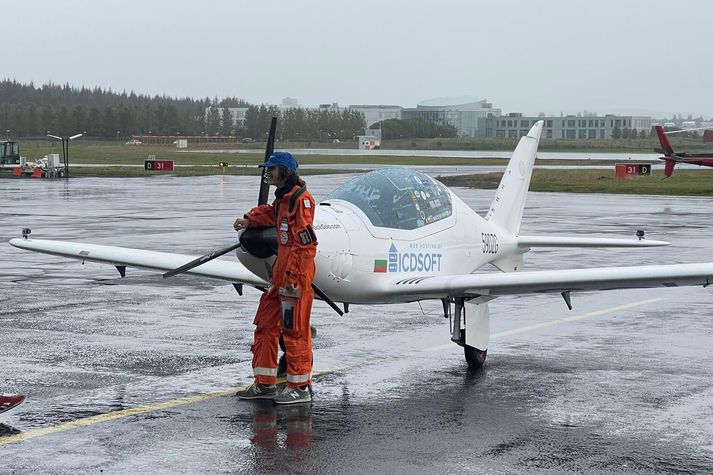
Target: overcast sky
[[551, 56]]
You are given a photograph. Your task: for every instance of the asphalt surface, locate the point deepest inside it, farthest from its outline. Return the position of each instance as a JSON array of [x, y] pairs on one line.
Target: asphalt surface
[[138, 374]]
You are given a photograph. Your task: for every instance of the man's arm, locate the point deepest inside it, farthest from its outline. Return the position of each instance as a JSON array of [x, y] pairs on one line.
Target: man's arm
[[259, 216]]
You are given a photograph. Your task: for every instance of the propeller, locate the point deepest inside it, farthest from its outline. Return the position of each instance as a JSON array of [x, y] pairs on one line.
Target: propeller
[[260, 242], [261, 200], [201, 260]]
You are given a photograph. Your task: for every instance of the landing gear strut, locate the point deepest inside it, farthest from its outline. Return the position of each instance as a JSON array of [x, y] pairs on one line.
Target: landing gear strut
[[475, 357]]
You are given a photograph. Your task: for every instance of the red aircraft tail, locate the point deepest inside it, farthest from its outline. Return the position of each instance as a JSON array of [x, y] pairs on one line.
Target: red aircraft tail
[[665, 144], [666, 149]]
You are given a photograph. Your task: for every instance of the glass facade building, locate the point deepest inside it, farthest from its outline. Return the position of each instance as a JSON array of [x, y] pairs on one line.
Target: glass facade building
[[468, 116]]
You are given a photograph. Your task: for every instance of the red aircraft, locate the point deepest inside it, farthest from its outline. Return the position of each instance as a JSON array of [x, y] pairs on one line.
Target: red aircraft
[[702, 159]]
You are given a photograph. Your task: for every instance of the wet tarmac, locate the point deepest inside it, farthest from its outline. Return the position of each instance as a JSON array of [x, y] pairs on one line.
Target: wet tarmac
[[138, 374]]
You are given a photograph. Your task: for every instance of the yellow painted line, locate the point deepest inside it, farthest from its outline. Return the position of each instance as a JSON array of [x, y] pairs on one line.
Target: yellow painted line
[[558, 321], [87, 421], [573, 318], [111, 416]]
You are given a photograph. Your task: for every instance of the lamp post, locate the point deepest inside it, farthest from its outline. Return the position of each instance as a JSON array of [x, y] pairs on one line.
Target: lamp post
[[65, 149]]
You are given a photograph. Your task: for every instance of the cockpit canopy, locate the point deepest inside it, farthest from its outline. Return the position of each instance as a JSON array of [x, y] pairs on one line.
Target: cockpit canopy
[[397, 198]]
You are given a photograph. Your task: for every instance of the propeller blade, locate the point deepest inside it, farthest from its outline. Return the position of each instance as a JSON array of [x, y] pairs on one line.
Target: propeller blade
[[264, 187], [201, 260], [327, 300]]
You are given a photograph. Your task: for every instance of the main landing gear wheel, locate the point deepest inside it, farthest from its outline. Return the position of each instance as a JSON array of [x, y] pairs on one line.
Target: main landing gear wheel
[[474, 356]]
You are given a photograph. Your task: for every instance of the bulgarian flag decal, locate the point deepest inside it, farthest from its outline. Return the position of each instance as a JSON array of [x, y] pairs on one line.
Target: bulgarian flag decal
[[379, 265]]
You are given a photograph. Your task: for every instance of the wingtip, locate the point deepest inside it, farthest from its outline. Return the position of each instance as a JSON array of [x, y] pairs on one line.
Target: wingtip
[[648, 243], [17, 242]]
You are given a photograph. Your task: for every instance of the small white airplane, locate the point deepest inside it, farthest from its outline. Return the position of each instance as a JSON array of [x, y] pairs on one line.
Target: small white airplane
[[396, 235]]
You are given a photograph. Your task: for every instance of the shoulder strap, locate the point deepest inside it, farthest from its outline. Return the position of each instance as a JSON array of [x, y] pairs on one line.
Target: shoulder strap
[[295, 195]]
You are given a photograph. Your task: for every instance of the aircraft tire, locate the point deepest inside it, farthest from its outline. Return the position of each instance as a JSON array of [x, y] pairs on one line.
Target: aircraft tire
[[474, 356]]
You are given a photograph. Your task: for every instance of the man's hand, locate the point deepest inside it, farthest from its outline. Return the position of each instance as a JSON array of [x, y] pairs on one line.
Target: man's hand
[[241, 223]]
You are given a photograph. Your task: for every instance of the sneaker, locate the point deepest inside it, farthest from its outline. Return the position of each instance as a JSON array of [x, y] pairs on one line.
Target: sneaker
[[294, 396], [258, 391], [8, 401]]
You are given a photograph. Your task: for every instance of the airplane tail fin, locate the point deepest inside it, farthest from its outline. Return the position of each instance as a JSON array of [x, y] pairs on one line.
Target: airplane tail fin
[[509, 202], [663, 140]]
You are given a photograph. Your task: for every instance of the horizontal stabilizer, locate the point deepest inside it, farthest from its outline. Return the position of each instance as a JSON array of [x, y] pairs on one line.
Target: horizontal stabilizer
[[562, 241]]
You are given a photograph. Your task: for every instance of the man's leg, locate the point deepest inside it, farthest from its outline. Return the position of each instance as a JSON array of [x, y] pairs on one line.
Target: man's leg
[[298, 346], [264, 348]]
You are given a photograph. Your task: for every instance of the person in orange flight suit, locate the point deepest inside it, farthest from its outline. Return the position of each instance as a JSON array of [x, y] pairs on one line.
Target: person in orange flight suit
[[286, 306]]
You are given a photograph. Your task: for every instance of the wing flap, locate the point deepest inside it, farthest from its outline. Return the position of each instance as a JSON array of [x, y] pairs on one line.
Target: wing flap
[[162, 261], [603, 278]]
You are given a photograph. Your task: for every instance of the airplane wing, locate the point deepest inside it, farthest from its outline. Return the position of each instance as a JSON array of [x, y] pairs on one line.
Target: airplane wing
[[232, 271], [570, 280], [557, 241]]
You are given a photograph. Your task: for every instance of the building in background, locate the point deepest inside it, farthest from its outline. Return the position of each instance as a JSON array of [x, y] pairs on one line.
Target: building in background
[[515, 125], [467, 114], [478, 118], [377, 113]]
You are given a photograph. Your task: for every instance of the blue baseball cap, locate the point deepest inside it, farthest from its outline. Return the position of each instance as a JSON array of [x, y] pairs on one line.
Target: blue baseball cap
[[281, 158]]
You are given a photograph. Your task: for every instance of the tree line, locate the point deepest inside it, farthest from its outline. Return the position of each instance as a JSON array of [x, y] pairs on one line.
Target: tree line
[[295, 123], [29, 111]]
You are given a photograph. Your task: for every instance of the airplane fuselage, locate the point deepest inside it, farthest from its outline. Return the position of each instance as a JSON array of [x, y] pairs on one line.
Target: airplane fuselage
[[357, 262]]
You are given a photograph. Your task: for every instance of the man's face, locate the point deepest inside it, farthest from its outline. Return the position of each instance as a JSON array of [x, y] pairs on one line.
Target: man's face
[[273, 176]]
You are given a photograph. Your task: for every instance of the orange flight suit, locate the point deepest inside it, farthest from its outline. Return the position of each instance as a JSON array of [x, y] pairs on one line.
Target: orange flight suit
[[293, 215]]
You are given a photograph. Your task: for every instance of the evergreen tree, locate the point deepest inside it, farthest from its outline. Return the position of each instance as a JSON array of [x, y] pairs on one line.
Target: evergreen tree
[[213, 121], [226, 122]]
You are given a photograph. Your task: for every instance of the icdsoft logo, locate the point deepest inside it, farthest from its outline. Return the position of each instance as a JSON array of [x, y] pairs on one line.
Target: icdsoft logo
[[409, 261]]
